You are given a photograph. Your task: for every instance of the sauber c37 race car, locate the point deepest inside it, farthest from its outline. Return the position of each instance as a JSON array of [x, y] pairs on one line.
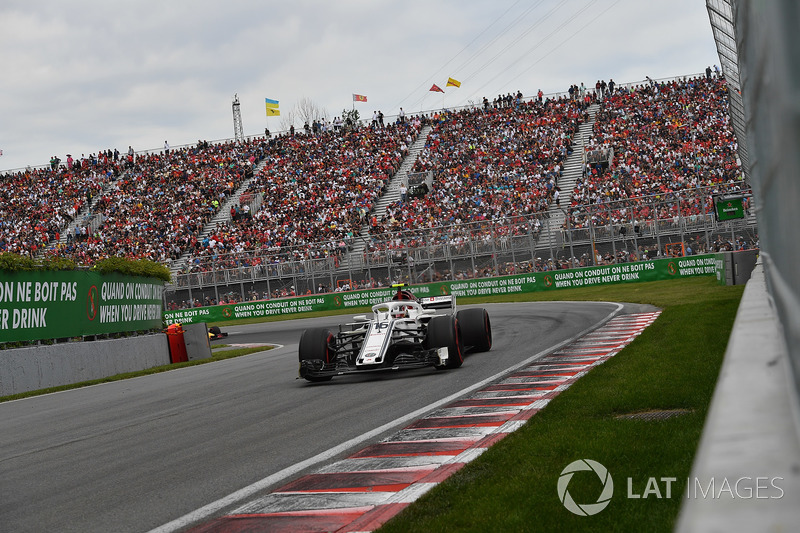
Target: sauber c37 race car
[[403, 333]]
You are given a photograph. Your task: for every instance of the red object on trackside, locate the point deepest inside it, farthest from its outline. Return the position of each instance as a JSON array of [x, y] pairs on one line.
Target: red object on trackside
[[177, 346]]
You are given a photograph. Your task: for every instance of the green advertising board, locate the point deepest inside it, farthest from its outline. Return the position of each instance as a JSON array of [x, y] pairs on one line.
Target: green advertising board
[[37, 305], [729, 208], [659, 269]]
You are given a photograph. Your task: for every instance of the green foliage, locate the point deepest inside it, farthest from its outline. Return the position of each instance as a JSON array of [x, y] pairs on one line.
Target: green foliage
[[58, 263], [140, 267], [351, 119], [10, 262], [13, 262]]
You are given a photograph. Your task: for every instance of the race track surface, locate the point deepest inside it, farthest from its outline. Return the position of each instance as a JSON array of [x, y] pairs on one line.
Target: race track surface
[[137, 454]]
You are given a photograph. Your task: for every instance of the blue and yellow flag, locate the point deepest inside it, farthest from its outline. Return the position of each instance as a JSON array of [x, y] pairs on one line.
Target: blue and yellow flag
[[272, 108]]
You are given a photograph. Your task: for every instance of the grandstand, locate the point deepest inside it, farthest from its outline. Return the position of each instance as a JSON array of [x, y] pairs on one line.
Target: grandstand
[[514, 185]]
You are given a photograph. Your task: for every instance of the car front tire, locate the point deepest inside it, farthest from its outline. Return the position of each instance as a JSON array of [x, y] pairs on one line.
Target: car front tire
[[315, 350], [445, 332]]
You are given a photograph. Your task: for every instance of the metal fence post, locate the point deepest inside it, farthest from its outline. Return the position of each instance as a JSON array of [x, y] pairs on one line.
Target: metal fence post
[[493, 234], [658, 232]]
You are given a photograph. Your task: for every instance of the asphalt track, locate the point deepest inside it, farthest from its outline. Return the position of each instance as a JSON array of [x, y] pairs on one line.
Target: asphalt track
[[135, 455]]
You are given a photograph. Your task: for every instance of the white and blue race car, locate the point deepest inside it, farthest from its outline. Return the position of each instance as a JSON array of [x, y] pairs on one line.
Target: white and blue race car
[[403, 333]]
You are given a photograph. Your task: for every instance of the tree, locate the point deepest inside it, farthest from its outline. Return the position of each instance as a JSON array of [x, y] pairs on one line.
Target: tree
[[351, 119], [308, 111], [287, 120]]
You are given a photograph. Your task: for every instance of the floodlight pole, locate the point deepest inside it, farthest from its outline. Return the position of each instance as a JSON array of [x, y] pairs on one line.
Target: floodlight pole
[[238, 132]]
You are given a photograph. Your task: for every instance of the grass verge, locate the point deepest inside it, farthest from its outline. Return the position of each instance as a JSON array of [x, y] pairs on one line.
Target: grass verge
[[673, 365]]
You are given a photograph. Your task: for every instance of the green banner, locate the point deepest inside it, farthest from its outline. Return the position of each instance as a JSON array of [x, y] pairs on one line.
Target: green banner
[[720, 262], [659, 269], [729, 208], [58, 304]]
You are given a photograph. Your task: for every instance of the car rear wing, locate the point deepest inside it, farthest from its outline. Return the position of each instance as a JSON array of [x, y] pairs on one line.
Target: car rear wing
[[439, 302]]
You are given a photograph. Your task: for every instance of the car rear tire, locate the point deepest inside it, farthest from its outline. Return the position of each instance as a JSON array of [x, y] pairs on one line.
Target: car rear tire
[[315, 347], [476, 328], [445, 332]]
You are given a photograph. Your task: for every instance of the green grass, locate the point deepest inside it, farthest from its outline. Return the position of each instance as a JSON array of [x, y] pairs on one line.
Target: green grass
[[224, 354], [673, 365]]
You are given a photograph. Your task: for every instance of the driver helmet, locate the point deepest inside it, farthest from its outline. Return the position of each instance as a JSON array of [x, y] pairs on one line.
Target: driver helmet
[[400, 312], [404, 295]]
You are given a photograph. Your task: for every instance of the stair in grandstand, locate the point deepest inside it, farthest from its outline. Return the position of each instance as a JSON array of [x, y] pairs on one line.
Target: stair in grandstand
[[570, 174], [354, 257], [223, 215], [84, 217]]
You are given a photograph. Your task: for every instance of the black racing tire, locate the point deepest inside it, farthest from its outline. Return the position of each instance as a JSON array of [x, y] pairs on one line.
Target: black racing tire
[[445, 331], [476, 328], [216, 333], [315, 346]]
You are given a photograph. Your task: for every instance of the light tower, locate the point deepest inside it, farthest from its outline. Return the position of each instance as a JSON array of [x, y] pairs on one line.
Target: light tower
[[238, 133]]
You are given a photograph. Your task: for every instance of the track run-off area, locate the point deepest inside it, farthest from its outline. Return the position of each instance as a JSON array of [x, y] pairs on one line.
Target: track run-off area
[[219, 445]]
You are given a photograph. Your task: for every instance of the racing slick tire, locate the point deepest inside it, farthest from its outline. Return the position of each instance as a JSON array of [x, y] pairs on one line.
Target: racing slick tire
[[476, 328], [315, 346], [215, 333], [445, 332]]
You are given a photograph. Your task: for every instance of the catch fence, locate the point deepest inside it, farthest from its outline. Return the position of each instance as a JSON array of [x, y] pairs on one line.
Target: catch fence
[[673, 225]]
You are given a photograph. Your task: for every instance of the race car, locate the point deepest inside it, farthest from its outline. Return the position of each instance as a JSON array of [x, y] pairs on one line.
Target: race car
[[214, 333], [403, 333]]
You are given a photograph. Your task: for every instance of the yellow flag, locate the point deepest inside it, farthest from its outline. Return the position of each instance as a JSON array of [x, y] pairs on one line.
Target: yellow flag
[[453, 83], [273, 112]]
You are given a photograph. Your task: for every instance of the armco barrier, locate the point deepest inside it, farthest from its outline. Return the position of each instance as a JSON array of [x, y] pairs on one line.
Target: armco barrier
[[659, 269]]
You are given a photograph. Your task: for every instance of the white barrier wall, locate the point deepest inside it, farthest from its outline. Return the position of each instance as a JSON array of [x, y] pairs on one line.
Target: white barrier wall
[[40, 367]]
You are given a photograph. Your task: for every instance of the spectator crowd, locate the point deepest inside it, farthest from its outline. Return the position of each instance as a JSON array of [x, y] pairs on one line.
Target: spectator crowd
[[39, 204], [499, 163], [310, 193], [316, 190], [668, 141]]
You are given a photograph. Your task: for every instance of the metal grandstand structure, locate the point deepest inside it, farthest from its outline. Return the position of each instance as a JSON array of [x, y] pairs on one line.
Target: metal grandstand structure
[[720, 15], [757, 44], [488, 248]]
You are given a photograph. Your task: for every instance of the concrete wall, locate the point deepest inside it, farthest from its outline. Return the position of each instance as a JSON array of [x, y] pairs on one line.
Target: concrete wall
[[39, 367], [750, 439]]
